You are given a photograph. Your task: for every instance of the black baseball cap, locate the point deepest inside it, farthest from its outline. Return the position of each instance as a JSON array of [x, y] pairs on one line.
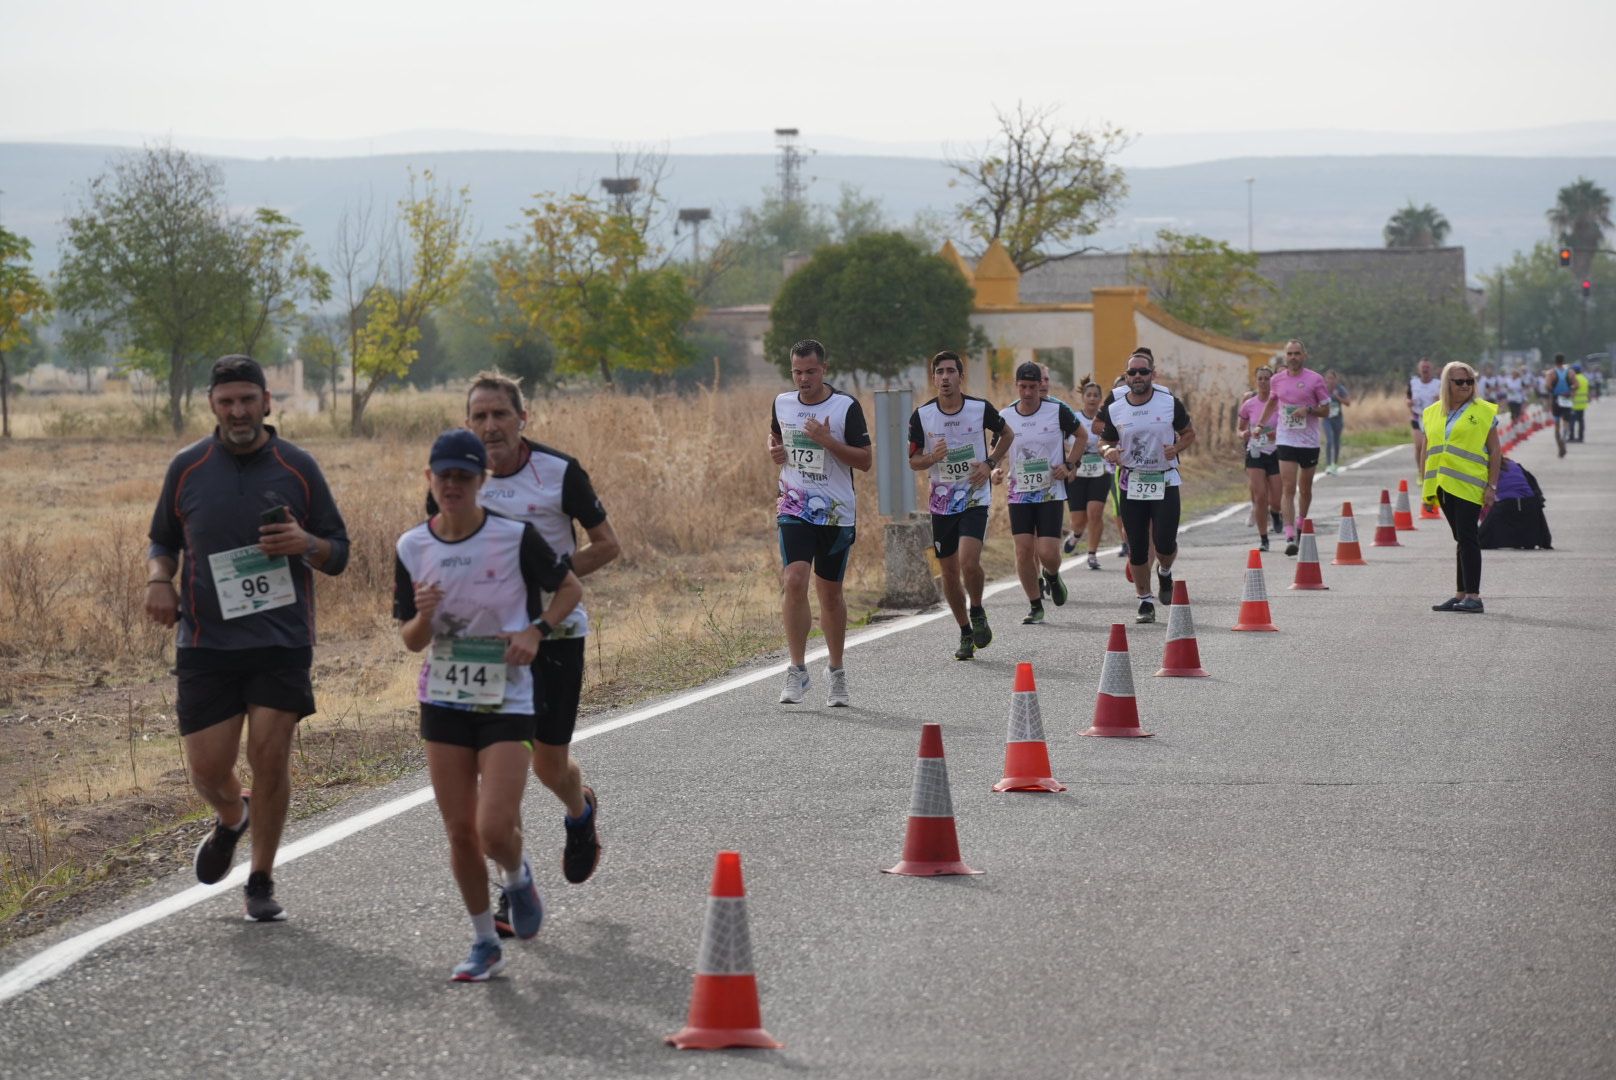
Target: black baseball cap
[[459, 449], [1029, 372], [236, 368]]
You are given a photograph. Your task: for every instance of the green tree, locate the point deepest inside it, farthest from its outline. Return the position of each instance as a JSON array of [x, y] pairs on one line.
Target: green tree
[[1037, 188], [1371, 329], [880, 304], [1416, 227], [22, 297], [483, 329], [1205, 282], [81, 349], [277, 274], [1543, 305], [1580, 215]]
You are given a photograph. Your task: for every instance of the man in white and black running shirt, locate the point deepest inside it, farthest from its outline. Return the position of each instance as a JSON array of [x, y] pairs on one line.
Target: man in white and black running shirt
[[1040, 460], [817, 435], [1145, 430], [537, 484], [1514, 385], [254, 519], [948, 439], [1423, 389]]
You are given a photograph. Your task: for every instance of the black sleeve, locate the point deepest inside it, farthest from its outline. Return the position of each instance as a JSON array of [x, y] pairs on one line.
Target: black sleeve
[[578, 499], [1181, 415], [542, 570], [403, 591], [917, 433], [1068, 420], [167, 534], [325, 521], [774, 421], [856, 432], [1102, 424], [991, 420]]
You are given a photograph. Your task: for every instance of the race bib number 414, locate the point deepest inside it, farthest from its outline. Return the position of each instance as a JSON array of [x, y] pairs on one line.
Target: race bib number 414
[[467, 671], [247, 581]]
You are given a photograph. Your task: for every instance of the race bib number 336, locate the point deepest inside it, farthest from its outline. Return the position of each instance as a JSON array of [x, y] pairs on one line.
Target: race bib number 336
[[247, 581], [467, 671]]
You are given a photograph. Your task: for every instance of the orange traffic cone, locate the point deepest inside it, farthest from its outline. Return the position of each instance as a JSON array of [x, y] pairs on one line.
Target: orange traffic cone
[[1403, 516], [1254, 613], [724, 1002], [1428, 512], [1026, 754], [931, 846], [1182, 657], [1116, 713], [1347, 550], [1308, 573], [1385, 529]]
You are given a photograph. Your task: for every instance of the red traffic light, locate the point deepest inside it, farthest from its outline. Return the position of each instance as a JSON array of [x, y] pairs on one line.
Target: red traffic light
[[1587, 287], [1565, 256]]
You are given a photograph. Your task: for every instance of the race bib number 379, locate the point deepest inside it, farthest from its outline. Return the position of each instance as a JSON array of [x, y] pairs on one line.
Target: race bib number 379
[[1147, 486], [467, 671], [247, 581]]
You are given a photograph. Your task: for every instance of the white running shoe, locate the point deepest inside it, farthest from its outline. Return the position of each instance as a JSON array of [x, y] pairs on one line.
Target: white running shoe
[[837, 694], [796, 687]]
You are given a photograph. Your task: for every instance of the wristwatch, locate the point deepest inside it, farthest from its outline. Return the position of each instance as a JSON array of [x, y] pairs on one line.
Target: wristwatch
[[544, 628]]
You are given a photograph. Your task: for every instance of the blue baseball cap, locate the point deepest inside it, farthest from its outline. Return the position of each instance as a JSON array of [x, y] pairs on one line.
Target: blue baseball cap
[[1576, 367], [458, 449]]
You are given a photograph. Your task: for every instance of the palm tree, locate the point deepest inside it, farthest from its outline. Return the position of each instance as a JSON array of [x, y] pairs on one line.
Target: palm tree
[[1580, 215], [1416, 227]]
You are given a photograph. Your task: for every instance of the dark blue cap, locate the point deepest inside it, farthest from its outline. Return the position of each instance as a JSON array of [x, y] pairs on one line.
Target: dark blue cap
[[458, 449]]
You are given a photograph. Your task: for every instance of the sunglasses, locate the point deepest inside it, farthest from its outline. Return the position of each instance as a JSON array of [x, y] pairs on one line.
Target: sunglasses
[[1463, 382], [1138, 371]]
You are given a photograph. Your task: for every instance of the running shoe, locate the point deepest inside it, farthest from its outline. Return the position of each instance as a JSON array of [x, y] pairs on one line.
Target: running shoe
[[487, 959], [796, 687], [1056, 587], [1094, 561], [1147, 611], [981, 632], [1262, 542], [261, 905], [1034, 616], [836, 696], [1470, 605], [502, 917], [217, 849], [526, 905], [1123, 553], [582, 852], [967, 646], [1450, 604], [1165, 591], [1290, 545], [1069, 545]]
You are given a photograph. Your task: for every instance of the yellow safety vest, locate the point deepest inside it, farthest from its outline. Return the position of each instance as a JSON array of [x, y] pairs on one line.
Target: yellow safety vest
[[1579, 392], [1457, 464]]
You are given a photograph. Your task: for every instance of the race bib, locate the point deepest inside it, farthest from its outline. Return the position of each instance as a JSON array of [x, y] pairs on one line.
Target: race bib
[[467, 671], [1563, 401], [1261, 441], [1092, 465], [1335, 409], [247, 581], [1293, 417], [1147, 486], [957, 465], [803, 454], [1033, 474]]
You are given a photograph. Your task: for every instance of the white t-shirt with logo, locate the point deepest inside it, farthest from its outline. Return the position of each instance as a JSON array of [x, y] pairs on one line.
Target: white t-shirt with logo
[[1424, 394], [965, 434], [1039, 447], [816, 488], [1144, 431]]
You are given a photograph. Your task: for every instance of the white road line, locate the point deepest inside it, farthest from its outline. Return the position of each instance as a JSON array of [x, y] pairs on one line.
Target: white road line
[[51, 962]]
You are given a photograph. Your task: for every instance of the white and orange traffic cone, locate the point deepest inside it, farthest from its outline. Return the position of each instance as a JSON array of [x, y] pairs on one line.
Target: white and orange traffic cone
[[1308, 573], [1385, 528], [1026, 754], [1254, 613], [1403, 515], [1348, 552], [931, 845], [1116, 713], [1181, 659], [724, 1008]]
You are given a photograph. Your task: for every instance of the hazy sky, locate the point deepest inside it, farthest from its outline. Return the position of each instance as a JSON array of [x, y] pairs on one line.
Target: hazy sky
[[882, 70]]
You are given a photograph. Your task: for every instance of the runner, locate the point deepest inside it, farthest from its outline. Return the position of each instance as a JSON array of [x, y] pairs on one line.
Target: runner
[[1579, 401], [1301, 399], [549, 490], [1558, 387], [1090, 486], [1038, 471], [468, 586], [1422, 391], [1515, 392], [1145, 430], [817, 435], [948, 438], [1335, 421], [254, 518], [1262, 463]]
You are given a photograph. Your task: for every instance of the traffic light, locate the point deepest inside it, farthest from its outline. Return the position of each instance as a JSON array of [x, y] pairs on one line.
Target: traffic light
[[1587, 289], [1565, 256]]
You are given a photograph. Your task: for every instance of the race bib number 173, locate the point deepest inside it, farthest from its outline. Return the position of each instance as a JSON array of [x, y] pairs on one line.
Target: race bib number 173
[[803, 454]]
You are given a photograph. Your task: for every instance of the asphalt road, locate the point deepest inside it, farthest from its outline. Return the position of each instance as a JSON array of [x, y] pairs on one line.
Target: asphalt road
[[1380, 843]]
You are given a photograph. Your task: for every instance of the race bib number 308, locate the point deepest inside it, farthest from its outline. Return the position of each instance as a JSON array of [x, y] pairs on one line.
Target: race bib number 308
[[957, 465], [247, 581], [467, 671]]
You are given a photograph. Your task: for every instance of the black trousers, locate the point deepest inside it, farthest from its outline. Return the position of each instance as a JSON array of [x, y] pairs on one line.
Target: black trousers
[[1151, 521], [1464, 521]]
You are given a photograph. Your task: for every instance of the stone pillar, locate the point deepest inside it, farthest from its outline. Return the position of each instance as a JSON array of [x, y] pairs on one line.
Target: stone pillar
[[909, 583]]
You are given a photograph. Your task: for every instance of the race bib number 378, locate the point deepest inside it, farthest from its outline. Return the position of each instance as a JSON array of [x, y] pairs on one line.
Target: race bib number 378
[[247, 581]]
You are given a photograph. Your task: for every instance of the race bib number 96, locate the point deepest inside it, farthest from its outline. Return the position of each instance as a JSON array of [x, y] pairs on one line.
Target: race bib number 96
[[467, 671], [247, 581]]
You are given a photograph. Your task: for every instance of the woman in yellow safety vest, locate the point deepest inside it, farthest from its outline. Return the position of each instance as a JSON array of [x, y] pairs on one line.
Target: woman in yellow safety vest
[[1462, 458]]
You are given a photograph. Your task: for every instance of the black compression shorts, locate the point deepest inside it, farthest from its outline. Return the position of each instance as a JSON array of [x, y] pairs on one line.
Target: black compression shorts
[[1151, 521], [473, 730], [1082, 490], [825, 546], [1268, 463], [947, 529], [1039, 519], [558, 684]]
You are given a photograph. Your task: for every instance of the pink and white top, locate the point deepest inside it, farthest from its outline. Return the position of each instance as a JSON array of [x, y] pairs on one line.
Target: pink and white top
[[1251, 411], [1296, 393]]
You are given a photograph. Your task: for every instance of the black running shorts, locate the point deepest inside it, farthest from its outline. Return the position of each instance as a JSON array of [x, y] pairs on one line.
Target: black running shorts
[[947, 529], [1305, 456], [1082, 490], [1039, 519], [473, 730], [826, 546], [1268, 463], [1148, 522], [217, 684], [558, 684]]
